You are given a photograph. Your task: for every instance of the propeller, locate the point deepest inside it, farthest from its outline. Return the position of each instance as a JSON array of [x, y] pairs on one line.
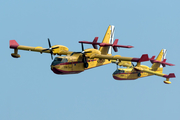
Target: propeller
[[84, 59], [50, 48]]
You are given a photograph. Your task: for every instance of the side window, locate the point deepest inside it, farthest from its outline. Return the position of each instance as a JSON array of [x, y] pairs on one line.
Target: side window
[[59, 59], [117, 71], [64, 60], [55, 59], [121, 71]]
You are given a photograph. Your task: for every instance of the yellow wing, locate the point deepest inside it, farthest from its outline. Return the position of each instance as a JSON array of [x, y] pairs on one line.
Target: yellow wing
[[56, 49], [150, 71], [143, 58], [171, 75]]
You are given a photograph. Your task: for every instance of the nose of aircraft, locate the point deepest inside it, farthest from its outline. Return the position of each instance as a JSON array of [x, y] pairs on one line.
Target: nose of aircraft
[[55, 69]]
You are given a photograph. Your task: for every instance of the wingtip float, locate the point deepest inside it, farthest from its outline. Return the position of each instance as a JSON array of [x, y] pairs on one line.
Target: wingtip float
[[75, 62]]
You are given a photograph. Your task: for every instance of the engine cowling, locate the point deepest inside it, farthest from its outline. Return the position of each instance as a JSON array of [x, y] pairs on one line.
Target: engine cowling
[[93, 51], [57, 50]]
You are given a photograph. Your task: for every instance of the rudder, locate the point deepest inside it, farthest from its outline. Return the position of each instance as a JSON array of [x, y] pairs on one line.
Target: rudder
[[161, 57], [108, 38]]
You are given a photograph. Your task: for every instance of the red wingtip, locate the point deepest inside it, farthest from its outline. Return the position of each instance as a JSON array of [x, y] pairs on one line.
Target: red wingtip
[[143, 58], [171, 75], [13, 44]]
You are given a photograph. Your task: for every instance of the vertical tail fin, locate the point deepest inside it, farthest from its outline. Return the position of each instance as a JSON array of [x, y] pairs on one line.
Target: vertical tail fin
[[108, 38], [161, 57]]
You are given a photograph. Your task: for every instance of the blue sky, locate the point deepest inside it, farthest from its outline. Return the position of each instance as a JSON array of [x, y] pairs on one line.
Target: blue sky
[[30, 90]]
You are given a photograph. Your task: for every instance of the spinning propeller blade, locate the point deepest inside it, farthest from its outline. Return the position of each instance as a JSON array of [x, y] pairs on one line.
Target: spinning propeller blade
[[50, 48], [84, 59], [49, 43]]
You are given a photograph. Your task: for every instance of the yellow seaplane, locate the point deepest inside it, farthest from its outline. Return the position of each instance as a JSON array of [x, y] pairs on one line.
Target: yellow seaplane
[[76, 62], [134, 72]]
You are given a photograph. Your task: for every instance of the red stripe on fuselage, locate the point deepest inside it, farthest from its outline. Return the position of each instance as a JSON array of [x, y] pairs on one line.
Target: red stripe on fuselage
[[57, 71], [67, 63], [117, 78]]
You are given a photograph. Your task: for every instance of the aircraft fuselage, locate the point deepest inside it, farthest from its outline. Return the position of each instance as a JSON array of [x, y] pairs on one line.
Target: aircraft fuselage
[[72, 65], [131, 73]]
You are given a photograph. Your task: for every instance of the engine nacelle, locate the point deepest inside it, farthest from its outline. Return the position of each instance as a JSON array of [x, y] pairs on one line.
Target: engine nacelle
[[93, 51]]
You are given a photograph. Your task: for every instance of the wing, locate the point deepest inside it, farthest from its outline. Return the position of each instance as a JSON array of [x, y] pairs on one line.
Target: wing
[[149, 71], [143, 58], [56, 49], [171, 75]]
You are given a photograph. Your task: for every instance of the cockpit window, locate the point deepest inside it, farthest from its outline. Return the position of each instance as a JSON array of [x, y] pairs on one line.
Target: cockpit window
[[59, 60], [64, 60], [118, 71]]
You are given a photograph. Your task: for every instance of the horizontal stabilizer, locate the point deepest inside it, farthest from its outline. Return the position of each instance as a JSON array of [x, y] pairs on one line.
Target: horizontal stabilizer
[[162, 62], [143, 58], [94, 43], [123, 46], [114, 45], [13, 44]]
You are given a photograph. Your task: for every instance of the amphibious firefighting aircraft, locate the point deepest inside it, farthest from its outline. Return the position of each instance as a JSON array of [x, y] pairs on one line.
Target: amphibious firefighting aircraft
[[134, 72], [76, 62]]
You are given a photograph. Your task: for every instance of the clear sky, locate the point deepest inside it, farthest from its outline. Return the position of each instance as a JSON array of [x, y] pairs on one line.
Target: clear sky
[[29, 90]]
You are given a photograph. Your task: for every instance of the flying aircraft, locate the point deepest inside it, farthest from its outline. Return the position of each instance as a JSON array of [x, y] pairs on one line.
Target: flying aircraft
[[76, 62], [138, 71]]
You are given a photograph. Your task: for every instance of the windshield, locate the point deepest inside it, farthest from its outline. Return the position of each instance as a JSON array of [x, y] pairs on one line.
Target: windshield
[[118, 71], [59, 60]]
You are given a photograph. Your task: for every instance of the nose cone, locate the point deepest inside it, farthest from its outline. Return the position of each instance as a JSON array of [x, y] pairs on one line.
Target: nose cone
[[56, 70], [118, 74], [115, 76]]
